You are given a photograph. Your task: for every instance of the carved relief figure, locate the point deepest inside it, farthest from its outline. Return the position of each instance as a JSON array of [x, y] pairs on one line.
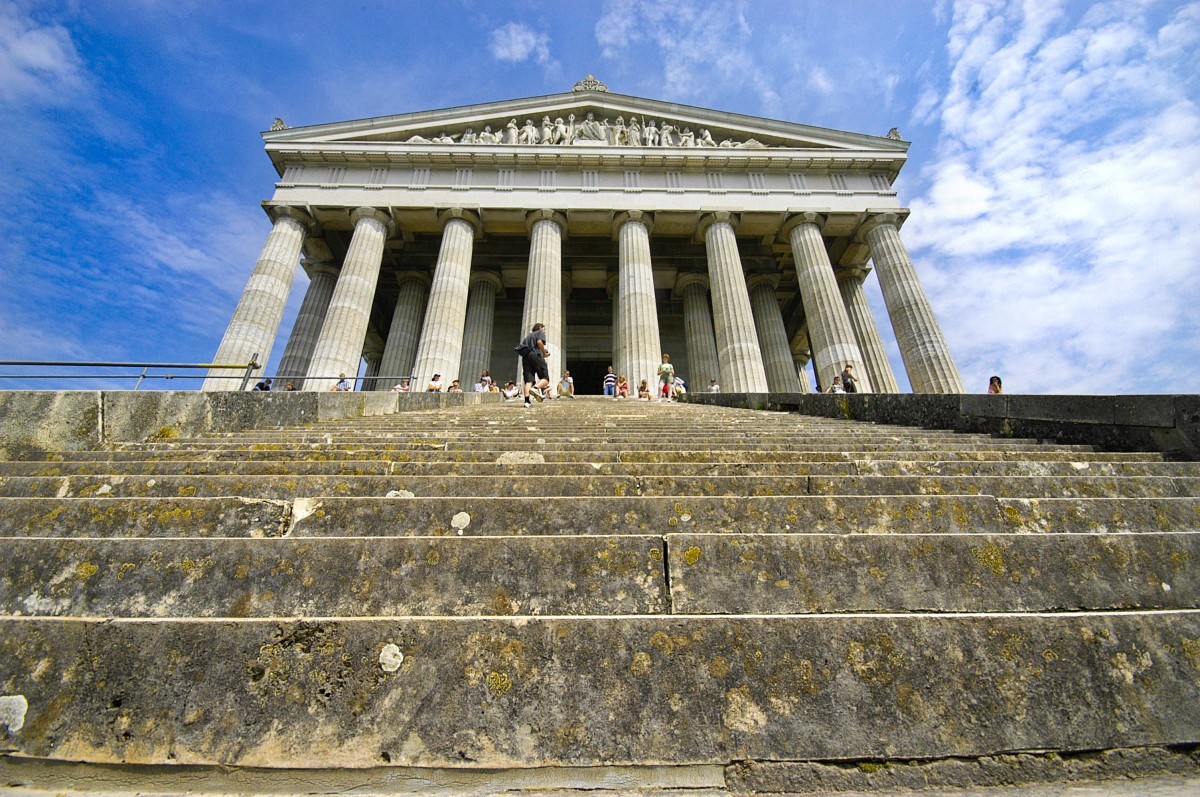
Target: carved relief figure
[[547, 131], [529, 133], [591, 130], [417, 140], [511, 136], [442, 138], [667, 134], [620, 137], [561, 134], [706, 139], [488, 137], [650, 134], [634, 133], [687, 138], [469, 137]]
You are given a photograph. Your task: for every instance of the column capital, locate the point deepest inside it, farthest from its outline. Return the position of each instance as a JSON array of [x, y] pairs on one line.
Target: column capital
[[378, 215], [277, 212], [416, 276], [807, 217], [853, 273], [876, 219], [486, 276], [314, 267], [627, 216], [611, 283], [709, 219], [688, 279], [469, 216], [754, 280], [545, 214]]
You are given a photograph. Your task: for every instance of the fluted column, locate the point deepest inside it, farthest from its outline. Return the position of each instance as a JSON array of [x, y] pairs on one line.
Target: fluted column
[[322, 277], [400, 348], [870, 344], [738, 350], [440, 348], [340, 345], [544, 285], [614, 293], [698, 330], [255, 321], [373, 354], [927, 358], [772, 334], [829, 330], [639, 348], [481, 319], [801, 357]]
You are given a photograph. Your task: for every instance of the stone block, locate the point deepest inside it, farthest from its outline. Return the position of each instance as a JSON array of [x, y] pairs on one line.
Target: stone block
[[528, 692], [34, 422], [1144, 410], [983, 405], [154, 415], [791, 573], [138, 517], [1075, 409], [233, 411], [468, 576]]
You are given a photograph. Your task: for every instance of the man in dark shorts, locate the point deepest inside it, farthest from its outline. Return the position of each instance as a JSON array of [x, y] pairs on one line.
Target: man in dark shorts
[[533, 364]]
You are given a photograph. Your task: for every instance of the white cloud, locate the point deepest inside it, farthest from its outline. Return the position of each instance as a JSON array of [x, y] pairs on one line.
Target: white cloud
[[698, 42], [38, 63], [517, 42], [1058, 229]]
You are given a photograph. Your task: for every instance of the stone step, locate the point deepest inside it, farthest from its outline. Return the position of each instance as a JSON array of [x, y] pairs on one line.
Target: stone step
[[405, 486], [572, 691], [798, 454], [546, 443], [694, 574], [628, 515], [431, 467]]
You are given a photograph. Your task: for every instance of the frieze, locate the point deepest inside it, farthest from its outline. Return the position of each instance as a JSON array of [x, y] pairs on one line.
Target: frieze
[[589, 131]]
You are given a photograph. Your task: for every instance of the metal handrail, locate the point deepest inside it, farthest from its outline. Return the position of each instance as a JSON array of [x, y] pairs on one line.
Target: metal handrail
[[247, 367]]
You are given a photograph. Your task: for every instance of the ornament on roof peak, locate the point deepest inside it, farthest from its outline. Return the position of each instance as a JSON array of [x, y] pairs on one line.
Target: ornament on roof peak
[[279, 124], [590, 83]]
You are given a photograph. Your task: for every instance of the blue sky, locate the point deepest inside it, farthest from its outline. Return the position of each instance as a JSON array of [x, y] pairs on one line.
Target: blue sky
[[1054, 176]]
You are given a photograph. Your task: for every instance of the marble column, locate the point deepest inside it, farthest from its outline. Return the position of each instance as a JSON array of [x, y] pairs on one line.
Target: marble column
[[829, 330], [801, 357], [373, 354], [322, 278], [698, 330], [639, 348], [614, 294], [927, 358], [772, 334], [544, 286], [340, 345], [738, 351], [870, 344], [440, 348], [400, 348], [481, 319], [255, 321]]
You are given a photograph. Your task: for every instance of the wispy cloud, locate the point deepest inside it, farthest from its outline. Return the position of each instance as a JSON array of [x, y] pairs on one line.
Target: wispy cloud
[[518, 42], [1058, 229], [38, 63], [698, 42]]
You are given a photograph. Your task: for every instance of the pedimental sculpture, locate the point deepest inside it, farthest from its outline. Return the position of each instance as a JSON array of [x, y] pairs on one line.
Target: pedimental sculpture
[[630, 227]]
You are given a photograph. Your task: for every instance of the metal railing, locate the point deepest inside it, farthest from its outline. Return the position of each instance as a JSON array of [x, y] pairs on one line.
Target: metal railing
[[145, 374]]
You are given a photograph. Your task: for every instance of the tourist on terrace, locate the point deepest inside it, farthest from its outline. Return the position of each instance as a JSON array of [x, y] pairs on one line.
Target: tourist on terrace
[[435, 384], [644, 391], [264, 386], [342, 385], [995, 386], [836, 387], [622, 387], [610, 383], [713, 387], [849, 382]]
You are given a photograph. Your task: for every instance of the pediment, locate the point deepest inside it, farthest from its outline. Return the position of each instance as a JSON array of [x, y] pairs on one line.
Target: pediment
[[601, 120]]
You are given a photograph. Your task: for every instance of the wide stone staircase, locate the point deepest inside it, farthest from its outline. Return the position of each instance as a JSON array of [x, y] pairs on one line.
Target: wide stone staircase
[[625, 596]]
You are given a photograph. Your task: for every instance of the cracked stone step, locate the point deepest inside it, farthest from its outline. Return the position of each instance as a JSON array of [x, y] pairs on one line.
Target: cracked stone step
[[561, 691]]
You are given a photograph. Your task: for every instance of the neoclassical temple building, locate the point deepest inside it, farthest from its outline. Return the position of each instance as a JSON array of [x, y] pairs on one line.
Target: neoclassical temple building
[[630, 227]]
